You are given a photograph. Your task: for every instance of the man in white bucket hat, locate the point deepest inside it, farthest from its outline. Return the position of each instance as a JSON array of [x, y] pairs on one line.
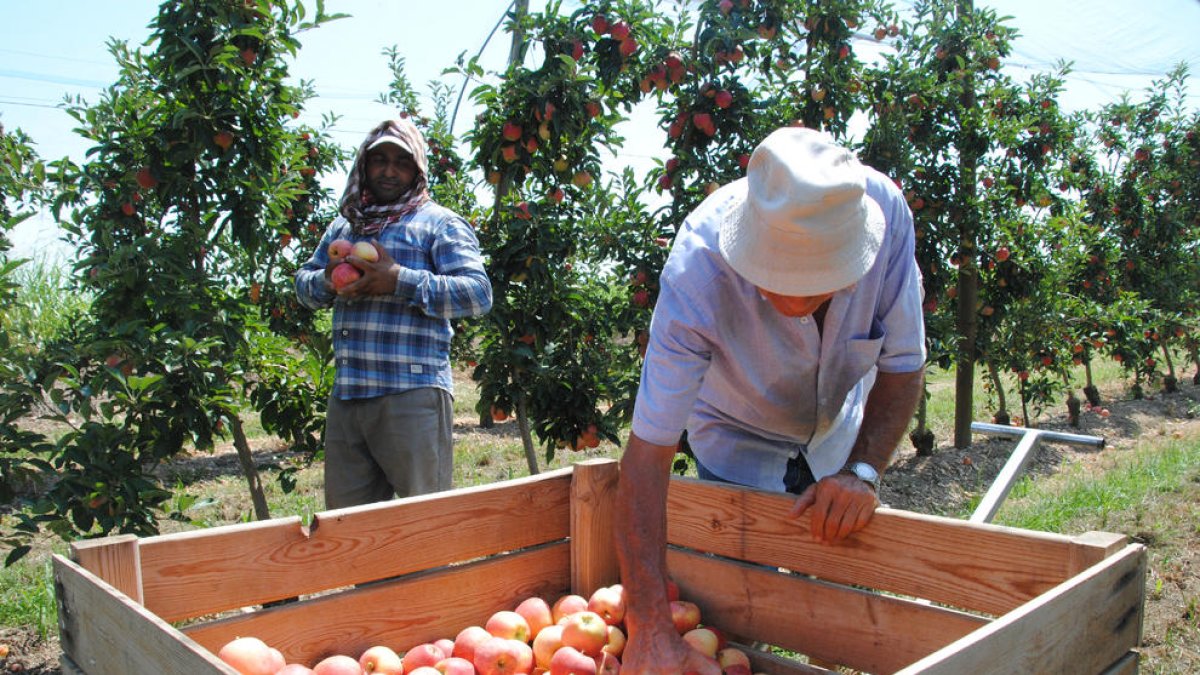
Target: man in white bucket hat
[[787, 349]]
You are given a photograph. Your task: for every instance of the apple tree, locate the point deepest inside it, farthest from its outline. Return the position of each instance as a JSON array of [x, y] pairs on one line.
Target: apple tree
[[187, 216]]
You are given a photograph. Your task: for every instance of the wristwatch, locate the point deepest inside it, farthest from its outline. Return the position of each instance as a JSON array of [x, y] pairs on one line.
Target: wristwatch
[[864, 472]]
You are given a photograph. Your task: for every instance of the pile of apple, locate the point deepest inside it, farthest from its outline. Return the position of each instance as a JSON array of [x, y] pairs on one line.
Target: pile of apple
[[345, 273], [572, 636]]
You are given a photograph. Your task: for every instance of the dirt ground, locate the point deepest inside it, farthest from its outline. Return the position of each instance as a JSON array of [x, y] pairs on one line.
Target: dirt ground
[[946, 482]]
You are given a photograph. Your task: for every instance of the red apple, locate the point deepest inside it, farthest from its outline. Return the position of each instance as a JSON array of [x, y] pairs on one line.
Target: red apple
[[627, 47], [582, 179], [251, 656], [128, 209], [672, 590], [446, 645], [607, 664], [468, 639], [343, 275], [737, 669], [340, 248], [600, 24], [570, 661], [455, 666], [537, 614], [365, 250], [424, 654], [567, 605], [426, 670], [723, 99], [609, 602], [585, 631], [295, 669], [511, 131], [338, 664], [702, 640], [223, 139], [145, 179], [547, 641], [503, 656], [685, 615], [619, 31], [381, 659], [509, 153], [508, 624]]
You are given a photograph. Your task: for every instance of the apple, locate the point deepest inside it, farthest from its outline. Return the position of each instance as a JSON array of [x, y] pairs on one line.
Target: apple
[[511, 131], [545, 644], [223, 139], [600, 24], [340, 248], [446, 645], [503, 656], [145, 179], [509, 153], [619, 31], [455, 666], [381, 659], [702, 640], [508, 624], [731, 656], [570, 661], [567, 605], [251, 656], [685, 615], [672, 590], [338, 664], [616, 641], [723, 99], [424, 654], [627, 47], [295, 669], [537, 613], [343, 275], [582, 179], [585, 631], [426, 670], [737, 669], [365, 250], [468, 640], [249, 56], [128, 209], [609, 601]]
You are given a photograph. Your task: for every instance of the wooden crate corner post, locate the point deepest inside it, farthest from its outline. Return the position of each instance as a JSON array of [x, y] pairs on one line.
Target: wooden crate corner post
[[593, 500]]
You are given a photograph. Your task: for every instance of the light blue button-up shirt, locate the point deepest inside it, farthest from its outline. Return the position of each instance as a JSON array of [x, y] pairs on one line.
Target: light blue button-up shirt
[[753, 387]]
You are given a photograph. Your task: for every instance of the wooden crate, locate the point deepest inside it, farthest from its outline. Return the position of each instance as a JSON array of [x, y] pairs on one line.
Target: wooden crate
[[909, 594]]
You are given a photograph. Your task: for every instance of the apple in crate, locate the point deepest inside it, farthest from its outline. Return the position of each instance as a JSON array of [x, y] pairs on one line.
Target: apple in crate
[[446, 645], [548, 641], [616, 641], [338, 664], [503, 656], [571, 661], [468, 640], [251, 656], [585, 631], [685, 615], [455, 666], [295, 669], [568, 605], [537, 614], [508, 624], [381, 660], [703, 640], [732, 656], [424, 654], [609, 603]]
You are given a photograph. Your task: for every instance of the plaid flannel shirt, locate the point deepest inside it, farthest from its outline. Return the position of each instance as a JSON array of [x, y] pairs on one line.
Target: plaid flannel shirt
[[388, 344]]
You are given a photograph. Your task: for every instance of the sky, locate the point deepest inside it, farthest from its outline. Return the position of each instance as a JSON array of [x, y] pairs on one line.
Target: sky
[[50, 49]]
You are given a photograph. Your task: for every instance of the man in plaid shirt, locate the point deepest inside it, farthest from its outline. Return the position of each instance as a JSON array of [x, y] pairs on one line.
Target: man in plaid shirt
[[388, 427]]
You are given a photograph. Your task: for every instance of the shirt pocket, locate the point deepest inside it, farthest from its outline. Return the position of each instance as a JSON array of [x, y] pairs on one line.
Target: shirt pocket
[[408, 250], [848, 367]]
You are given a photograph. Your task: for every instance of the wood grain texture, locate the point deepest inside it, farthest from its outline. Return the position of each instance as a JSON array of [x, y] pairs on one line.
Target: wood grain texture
[[400, 613], [103, 632], [831, 622], [1088, 624], [593, 552], [198, 573], [114, 559], [975, 567]]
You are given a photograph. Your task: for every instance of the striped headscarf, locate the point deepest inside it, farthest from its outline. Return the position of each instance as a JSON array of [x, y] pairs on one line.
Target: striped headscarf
[[358, 204]]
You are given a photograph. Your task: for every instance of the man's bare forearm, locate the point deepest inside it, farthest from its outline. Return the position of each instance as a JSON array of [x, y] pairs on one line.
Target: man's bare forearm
[[889, 409]]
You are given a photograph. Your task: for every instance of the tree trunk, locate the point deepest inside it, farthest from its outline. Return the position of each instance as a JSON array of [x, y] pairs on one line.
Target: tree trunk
[[1001, 415], [968, 272], [526, 436], [261, 510]]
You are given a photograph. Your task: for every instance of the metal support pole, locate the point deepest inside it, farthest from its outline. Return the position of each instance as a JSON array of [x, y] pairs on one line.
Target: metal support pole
[[1018, 460]]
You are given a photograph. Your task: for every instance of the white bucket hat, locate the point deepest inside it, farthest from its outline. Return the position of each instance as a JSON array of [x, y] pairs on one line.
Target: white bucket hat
[[804, 225]]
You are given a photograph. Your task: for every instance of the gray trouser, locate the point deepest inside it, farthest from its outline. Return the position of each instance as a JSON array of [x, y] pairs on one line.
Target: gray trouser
[[399, 444]]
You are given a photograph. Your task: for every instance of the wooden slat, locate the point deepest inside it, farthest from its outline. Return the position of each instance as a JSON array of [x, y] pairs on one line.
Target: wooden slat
[[104, 632], [771, 664], [976, 567], [197, 573], [864, 630], [593, 552], [399, 613], [113, 559], [1127, 665], [1086, 625]]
